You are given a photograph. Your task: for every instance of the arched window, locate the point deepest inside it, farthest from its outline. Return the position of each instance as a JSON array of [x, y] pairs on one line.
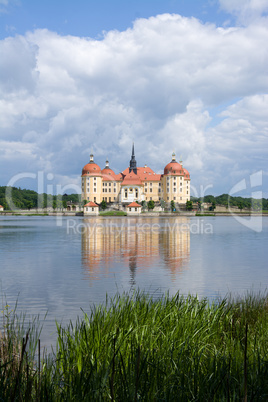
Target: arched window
[[137, 193]]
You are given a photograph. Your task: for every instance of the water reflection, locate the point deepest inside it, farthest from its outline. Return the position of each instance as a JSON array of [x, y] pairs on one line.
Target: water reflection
[[135, 243]]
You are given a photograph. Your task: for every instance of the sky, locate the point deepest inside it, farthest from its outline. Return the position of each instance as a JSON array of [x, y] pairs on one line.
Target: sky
[[182, 76]]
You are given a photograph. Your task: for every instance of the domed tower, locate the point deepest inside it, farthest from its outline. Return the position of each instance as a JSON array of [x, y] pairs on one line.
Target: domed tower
[[175, 182], [91, 181]]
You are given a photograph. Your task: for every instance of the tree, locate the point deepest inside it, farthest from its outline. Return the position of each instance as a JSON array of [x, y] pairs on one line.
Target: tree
[[143, 205], [172, 205], [103, 205], [150, 204], [189, 205], [213, 206], [240, 205], [29, 204]]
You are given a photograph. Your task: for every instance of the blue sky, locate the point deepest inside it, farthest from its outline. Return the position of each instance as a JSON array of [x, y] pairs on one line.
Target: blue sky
[[91, 18], [184, 76]]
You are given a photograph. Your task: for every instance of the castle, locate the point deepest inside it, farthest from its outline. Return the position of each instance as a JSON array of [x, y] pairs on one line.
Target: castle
[[135, 183]]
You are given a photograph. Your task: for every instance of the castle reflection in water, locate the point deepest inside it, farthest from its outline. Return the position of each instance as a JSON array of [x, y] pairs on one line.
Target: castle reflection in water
[[136, 243]]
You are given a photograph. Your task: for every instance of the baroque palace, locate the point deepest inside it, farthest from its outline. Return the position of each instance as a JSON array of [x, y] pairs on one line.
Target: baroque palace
[[135, 183]]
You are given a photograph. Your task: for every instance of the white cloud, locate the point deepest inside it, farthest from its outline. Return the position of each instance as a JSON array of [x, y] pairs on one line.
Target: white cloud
[[246, 10], [158, 83]]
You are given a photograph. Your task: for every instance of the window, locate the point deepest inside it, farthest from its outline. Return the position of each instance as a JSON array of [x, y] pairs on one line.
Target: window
[[136, 209], [93, 209], [95, 178], [168, 190], [174, 198], [159, 184], [159, 190], [94, 199], [129, 209], [109, 190], [174, 190], [125, 193], [180, 190], [137, 193], [145, 190], [180, 184], [95, 190], [181, 198], [151, 190], [168, 198], [150, 198], [114, 190], [114, 184], [145, 184], [151, 184], [110, 184]]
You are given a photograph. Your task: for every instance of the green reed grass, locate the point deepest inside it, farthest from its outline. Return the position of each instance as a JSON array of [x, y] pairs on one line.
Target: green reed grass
[[177, 348]]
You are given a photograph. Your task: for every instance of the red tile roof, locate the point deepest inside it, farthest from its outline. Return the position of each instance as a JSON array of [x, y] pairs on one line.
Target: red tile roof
[[134, 204], [91, 204], [174, 168], [144, 174], [131, 179], [91, 168]]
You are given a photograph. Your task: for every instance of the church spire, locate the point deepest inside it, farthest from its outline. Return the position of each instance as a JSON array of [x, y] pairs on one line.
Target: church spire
[[133, 163]]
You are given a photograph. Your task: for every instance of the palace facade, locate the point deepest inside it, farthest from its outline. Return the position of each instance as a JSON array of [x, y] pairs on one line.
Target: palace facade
[[135, 183]]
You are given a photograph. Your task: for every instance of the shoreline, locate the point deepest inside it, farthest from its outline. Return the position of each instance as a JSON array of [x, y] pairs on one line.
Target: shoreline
[[144, 214]]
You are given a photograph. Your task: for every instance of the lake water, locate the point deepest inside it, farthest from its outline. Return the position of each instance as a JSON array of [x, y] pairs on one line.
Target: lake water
[[61, 265]]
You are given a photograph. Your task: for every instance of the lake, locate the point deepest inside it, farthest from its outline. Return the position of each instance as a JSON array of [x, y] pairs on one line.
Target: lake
[[61, 265]]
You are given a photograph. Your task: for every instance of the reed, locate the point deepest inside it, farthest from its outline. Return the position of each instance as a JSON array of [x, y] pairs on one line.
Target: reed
[[175, 348]]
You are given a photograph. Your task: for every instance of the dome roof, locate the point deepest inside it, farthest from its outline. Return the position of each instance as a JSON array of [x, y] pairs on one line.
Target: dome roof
[[108, 174], [91, 168], [174, 168], [186, 173]]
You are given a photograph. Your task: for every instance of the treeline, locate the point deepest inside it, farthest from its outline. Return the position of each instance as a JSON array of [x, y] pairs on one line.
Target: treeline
[[240, 202], [13, 197]]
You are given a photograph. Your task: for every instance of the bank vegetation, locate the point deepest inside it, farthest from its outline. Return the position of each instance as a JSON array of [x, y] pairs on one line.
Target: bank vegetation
[[135, 348]]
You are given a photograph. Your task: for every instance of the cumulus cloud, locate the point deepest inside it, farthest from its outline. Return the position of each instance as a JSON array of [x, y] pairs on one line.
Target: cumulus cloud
[[245, 10], [168, 83]]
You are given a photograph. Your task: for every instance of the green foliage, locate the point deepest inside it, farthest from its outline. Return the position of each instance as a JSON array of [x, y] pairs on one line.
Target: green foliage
[[245, 203], [189, 205], [28, 199], [136, 348], [172, 205], [150, 204], [103, 205]]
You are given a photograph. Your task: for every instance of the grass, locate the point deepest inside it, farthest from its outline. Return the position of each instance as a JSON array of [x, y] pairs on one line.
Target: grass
[[136, 348], [113, 213]]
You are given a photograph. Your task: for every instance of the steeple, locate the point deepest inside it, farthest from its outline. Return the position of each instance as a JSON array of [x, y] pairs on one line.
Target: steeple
[[133, 163]]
